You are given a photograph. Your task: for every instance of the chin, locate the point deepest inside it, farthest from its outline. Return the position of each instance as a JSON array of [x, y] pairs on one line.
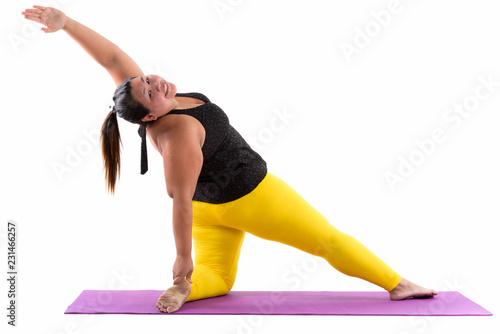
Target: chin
[[173, 89]]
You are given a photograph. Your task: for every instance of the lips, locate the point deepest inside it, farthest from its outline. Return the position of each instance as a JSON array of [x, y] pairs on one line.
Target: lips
[[166, 89]]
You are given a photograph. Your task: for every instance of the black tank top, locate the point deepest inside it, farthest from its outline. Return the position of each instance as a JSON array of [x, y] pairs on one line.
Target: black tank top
[[231, 168]]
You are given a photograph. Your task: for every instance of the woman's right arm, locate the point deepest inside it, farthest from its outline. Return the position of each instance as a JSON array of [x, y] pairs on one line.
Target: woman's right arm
[[180, 146], [118, 64]]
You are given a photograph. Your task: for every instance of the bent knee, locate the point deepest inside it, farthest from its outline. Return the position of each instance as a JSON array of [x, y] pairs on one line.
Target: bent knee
[[228, 284]]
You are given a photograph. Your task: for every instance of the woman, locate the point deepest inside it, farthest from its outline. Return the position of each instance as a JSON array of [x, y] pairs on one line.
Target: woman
[[220, 187]]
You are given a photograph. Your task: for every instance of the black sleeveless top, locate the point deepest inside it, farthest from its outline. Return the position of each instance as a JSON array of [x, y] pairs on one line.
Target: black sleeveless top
[[231, 168]]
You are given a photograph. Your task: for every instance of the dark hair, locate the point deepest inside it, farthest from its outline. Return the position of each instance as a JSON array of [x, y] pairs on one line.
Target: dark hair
[[130, 110]]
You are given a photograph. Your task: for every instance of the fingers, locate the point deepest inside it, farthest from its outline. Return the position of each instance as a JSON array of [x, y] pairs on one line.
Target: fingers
[[33, 18], [33, 15], [178, 279], [30, 10], [38, 16]]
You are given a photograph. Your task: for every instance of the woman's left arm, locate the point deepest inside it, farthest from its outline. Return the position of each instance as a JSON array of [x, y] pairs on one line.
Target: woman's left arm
[[118, 64]]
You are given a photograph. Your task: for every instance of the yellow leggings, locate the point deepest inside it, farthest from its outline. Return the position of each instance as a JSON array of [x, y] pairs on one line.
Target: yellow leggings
[[273, 211]]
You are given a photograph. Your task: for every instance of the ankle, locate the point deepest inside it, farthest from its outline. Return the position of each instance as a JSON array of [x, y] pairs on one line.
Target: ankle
[[403, 284]]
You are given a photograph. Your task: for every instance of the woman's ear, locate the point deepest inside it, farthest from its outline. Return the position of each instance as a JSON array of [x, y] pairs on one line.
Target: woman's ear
[[149, 118]]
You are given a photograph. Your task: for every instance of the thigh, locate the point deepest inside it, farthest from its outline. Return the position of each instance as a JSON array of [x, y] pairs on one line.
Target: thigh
[[216, 246], [275, 211]]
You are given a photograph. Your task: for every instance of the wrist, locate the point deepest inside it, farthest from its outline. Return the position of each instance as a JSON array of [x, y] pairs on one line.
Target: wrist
[[68, 23]]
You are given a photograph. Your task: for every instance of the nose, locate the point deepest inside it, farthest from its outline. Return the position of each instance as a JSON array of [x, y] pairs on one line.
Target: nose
[[158, 86]]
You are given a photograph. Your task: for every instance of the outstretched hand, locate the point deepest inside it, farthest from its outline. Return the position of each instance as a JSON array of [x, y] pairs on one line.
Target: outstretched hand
[[51, 18]]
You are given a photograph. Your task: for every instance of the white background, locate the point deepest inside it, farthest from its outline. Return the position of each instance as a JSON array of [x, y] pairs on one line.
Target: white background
[[352, 120]]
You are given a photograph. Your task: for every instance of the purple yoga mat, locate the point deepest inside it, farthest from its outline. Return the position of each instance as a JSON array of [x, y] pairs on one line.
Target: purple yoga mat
[[278, 303]]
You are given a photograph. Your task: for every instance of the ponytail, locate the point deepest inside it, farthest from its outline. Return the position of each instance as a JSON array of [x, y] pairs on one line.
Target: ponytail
[[110, 146], [130, 110]]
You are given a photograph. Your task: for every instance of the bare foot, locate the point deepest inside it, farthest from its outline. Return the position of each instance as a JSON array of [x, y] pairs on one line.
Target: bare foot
[[174, 297], [406, 289]]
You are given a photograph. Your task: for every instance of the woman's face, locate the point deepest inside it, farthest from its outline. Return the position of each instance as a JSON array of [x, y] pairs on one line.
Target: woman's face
[[155, 94]]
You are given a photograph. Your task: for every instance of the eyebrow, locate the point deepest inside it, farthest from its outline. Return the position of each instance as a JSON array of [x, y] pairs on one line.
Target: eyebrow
[[143, 91]]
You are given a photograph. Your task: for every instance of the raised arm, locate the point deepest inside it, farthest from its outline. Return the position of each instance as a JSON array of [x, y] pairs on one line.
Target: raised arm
[[182, 159], [118, 64]]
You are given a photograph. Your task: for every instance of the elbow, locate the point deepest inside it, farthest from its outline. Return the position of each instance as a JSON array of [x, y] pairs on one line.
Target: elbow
[[111, 60], [182, 204], [180, 196], [170, 193]]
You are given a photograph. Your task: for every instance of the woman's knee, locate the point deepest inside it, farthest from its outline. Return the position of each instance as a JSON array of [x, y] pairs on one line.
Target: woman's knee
[[229, 284]]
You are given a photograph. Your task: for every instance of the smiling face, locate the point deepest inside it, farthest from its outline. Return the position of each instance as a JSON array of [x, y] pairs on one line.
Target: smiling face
[[155, 94]]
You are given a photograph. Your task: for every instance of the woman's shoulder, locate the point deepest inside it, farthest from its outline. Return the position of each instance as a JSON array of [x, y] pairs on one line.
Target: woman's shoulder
[[174, 128]]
